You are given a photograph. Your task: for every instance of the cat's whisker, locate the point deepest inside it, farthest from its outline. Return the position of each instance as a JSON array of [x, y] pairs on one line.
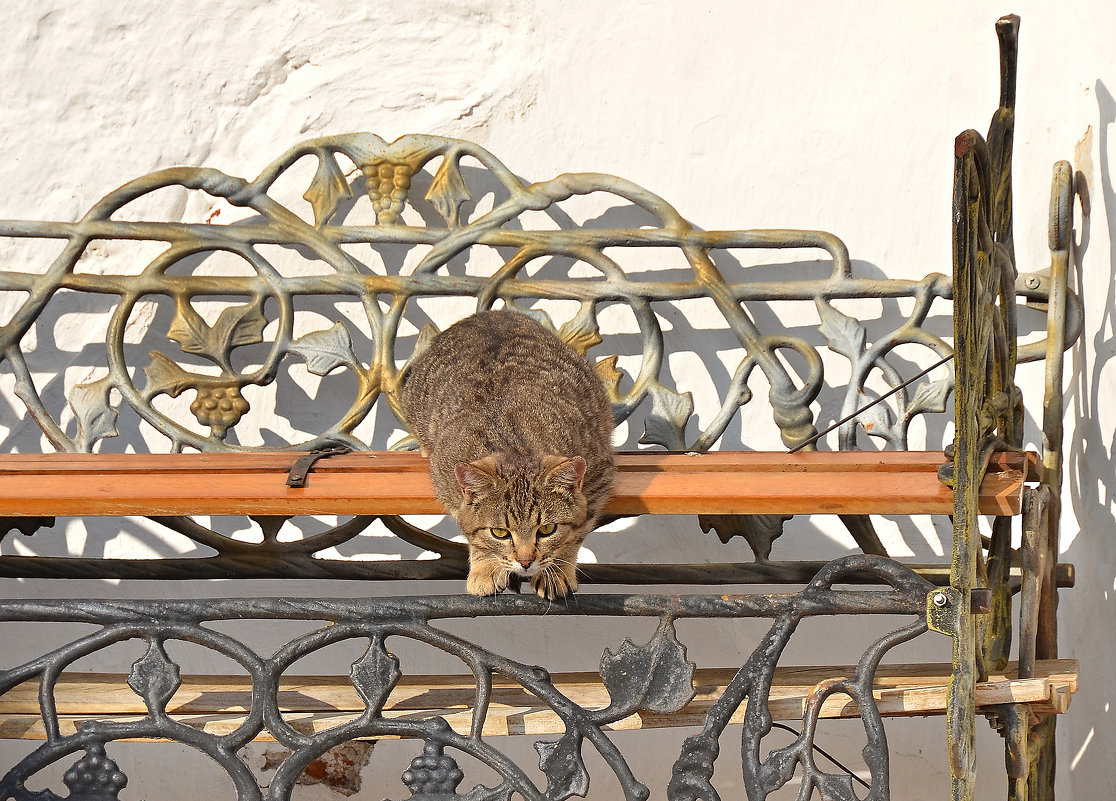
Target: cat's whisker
[[574, 565]]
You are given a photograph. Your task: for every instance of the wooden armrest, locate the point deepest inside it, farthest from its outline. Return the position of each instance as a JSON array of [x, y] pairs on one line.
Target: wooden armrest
[[378, 482]]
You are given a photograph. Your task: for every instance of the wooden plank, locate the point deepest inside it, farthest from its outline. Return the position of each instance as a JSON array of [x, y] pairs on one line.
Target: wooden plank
[[218, 703], [411, 461], [382, 483]]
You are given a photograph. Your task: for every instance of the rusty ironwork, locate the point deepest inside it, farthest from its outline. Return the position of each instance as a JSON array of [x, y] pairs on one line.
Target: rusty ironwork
[[989, 416], [988, 405]]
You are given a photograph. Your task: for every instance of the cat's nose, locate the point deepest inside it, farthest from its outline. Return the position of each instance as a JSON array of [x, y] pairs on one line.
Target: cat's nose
[[526, 562]]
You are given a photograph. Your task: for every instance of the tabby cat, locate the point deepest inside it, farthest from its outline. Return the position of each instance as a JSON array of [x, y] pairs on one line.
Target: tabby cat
[[518, 429]]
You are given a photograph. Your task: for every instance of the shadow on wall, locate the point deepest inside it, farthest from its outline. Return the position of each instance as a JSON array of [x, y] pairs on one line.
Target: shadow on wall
[[1088, 732]]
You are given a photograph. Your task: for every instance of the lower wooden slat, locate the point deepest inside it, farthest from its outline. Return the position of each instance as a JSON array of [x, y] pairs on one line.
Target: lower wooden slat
[[901, 482], [217, 703]]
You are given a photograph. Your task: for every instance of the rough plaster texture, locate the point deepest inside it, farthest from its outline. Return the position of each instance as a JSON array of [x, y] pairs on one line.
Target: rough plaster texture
[[812, 115]]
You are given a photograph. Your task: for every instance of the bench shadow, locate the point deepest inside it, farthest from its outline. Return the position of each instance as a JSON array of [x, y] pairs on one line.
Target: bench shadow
[[1091, 480]]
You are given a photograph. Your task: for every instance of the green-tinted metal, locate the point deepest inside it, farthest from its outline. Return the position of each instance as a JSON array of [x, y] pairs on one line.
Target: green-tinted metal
[[330, 348], [989, 416], [1043, 761], [987, 403]]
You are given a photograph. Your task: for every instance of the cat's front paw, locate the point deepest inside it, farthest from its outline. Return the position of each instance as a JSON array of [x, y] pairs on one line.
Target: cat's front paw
[[484, 582], [553, 584]]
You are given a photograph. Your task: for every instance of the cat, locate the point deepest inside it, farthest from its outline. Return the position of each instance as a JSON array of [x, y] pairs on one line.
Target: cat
[[518, 429]]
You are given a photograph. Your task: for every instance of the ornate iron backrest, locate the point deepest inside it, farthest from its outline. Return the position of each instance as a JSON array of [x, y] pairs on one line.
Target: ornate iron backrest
[[241, 331], [261, 301]]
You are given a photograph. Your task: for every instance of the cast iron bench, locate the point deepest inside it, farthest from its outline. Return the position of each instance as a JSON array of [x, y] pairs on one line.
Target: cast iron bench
[[483, 235]]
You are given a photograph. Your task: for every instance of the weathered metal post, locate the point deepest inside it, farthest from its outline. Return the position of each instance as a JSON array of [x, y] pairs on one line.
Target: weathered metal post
[[986, 399]]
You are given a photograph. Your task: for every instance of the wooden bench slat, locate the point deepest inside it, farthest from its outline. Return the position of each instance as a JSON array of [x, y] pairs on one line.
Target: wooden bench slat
[[411, 461], [218, 703], [896, 482]]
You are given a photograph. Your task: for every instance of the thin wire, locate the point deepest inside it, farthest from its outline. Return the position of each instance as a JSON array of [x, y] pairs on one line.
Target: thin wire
[[824, 754], [883, 397]]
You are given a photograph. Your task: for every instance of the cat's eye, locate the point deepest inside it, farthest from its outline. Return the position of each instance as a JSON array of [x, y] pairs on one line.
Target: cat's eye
[[547, 529], [500, 533]]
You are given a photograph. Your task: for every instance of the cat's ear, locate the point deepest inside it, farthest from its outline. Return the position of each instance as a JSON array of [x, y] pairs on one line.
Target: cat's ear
[[477, 479], [564, 474]]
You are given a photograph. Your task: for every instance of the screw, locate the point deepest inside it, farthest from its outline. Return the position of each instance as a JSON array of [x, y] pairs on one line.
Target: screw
[[941, 600], [1032, 282]]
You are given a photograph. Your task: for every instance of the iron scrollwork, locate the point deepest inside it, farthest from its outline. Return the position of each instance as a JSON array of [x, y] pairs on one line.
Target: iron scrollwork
[[655, 677], [239, 344]]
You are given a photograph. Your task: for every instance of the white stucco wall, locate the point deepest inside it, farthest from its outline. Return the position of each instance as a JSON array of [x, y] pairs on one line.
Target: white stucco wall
[[813, 115]]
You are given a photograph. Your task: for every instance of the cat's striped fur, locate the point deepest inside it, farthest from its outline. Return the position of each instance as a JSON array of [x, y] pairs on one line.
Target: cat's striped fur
[[518, 429]]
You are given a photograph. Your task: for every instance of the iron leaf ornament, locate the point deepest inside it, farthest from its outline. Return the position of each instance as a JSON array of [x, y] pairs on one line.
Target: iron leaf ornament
[[565, 771], [327, 189], [164, 376], [666, 423], [844, 334], [760, 531], [930, 397], [155, 677], [235, 326], [96, 417], [326, 350], [655, 677], [581, 333], [448, 190], [375, 674]]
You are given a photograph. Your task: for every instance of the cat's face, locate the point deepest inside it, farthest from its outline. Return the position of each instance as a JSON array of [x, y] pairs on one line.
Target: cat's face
[[522, 520]]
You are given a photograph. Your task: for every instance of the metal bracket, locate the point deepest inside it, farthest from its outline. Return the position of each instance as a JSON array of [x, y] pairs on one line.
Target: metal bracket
[[943, 607], [296, 478]]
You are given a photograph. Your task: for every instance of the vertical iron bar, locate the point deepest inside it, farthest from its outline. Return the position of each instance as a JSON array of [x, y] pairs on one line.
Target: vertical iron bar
[[1036, 508], [970, 337]]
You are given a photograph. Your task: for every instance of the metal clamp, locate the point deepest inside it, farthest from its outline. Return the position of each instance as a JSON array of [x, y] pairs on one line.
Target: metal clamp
[[941, 610], [296, 478], [944, 603]]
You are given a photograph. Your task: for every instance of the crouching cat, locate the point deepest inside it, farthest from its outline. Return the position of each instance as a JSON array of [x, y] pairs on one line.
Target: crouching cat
[[518, 429]]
